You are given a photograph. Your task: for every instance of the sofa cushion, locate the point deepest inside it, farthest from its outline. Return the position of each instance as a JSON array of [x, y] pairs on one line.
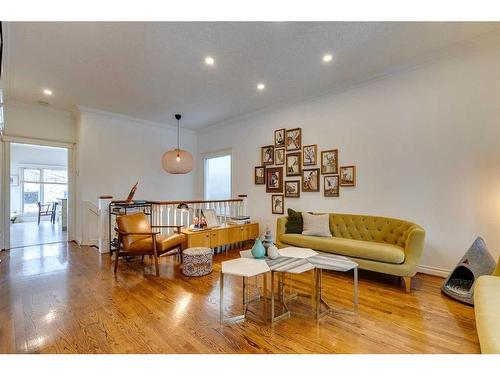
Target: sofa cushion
[[370, 228], [487, 311], [294, 223], [352, 248], [316, 225]]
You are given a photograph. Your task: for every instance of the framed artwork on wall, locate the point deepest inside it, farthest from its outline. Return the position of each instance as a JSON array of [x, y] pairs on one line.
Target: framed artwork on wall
[[279, 138], [274, 180], [330, 162], [267, 155], [310, 155], [292, 189], [310, 180], [293, 164], [294, 139], [279, 156], [331, 186], [348, 175], [278, 204], [260, 175]]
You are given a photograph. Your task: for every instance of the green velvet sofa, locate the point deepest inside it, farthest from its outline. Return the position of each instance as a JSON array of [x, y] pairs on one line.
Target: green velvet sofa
[[379, 244]]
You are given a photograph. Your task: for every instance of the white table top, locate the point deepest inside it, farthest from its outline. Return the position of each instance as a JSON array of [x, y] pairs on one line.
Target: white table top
[[332, 262], [245, 267], [297, 252]]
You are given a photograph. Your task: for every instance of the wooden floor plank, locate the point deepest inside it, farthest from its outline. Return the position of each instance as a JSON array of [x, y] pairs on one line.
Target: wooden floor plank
[[62, 298]]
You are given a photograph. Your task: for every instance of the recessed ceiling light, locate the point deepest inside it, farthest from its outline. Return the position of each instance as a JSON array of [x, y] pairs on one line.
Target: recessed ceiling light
[[261, 86], [47, 92], [209, 60], [327, 58]]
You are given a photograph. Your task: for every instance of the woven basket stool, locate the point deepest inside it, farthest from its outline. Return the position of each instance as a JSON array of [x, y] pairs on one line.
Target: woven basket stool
[[197, 261]]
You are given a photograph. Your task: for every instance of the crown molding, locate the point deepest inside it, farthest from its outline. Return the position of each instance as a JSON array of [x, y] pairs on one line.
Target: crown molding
[[120, 116], [20, 104], [480, 42]]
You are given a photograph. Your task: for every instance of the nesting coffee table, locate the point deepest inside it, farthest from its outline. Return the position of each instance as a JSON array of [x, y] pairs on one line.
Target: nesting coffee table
[[292, 260], [244, 268]]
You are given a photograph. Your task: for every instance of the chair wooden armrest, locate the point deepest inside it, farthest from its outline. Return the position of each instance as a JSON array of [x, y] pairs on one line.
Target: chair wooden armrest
[[136, 233]]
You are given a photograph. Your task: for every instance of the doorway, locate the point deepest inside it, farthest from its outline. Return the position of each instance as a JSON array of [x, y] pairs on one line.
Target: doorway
[[38, 194]]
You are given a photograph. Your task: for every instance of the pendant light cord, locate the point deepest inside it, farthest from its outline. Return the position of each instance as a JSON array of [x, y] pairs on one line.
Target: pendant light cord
[[178, 144]]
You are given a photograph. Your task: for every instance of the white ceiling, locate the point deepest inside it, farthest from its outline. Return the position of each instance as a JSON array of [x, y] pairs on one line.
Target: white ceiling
[[153, 70]]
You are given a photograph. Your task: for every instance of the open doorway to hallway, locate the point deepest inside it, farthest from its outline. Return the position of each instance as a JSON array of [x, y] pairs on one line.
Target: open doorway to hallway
[[38, 194]]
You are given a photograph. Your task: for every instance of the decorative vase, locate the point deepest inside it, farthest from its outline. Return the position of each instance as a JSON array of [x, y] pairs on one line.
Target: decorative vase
[[272, 252], [268, 238], [258, 250]]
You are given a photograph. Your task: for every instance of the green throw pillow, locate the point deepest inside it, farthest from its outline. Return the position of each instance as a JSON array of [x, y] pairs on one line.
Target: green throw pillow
[[294, 223]]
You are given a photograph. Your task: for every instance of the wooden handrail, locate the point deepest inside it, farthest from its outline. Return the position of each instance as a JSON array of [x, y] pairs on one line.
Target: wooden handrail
[[164, 203]]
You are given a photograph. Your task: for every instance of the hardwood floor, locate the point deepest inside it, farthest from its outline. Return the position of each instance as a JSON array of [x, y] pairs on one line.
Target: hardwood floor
[[61, 298], [30, 233]]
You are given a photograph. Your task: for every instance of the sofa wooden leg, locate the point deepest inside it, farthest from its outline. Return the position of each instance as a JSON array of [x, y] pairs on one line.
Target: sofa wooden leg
[[407, 283]]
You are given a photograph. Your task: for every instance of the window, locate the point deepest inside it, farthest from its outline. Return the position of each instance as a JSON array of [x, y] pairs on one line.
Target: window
[[218, 176], [44, 185]]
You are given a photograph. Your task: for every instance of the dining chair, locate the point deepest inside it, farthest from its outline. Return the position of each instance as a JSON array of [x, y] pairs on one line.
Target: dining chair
[[47, 209]]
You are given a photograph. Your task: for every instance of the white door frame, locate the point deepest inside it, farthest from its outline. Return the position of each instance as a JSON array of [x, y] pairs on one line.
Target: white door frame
[[5, 183]]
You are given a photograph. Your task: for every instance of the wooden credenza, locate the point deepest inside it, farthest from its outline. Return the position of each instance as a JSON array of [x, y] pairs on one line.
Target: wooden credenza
[[223, 235]]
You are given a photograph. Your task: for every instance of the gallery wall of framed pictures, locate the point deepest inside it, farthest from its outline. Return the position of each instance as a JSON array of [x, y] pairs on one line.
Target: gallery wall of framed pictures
[[288, 158]]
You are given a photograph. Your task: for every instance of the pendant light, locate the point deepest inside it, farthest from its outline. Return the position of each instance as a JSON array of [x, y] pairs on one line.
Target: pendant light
[[177, 161]]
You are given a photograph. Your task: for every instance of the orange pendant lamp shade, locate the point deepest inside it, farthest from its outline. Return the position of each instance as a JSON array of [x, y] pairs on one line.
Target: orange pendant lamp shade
[[177, 161]]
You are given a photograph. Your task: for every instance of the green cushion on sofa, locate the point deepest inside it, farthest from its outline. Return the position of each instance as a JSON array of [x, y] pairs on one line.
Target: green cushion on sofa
[[294, 223]]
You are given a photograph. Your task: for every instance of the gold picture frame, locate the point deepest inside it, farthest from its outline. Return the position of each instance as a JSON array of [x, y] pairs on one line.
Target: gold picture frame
[[348, 175], [278, 204], [293, 139], [279, 138], [310, 180], [330, 162], [279, 156], [260, 175], [267, 155], [274, 180], [331, 185], [293, 164], [309, 155], [292, 189]]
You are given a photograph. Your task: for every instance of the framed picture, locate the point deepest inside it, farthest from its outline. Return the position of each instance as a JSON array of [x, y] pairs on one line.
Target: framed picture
[[267, 155], [14, 180], [292, 189], [278, 204], [330, 162], [310, 180], [279, 138], [348, 175], [310, 155], [294, 139], [274, 180], [260, 175], [210, 217], [279, 156], [331, 186], [293, 164]]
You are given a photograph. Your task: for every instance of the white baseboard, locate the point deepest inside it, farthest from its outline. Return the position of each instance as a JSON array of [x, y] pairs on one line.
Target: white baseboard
[[434, 271]]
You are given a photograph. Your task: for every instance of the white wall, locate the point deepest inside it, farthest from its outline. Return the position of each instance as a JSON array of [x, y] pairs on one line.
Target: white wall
[[426, 144], [113, 152], [22, 155], [34, 121]]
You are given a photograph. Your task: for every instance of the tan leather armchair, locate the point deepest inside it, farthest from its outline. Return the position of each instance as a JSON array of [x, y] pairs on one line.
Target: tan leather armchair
[[136, 237]]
